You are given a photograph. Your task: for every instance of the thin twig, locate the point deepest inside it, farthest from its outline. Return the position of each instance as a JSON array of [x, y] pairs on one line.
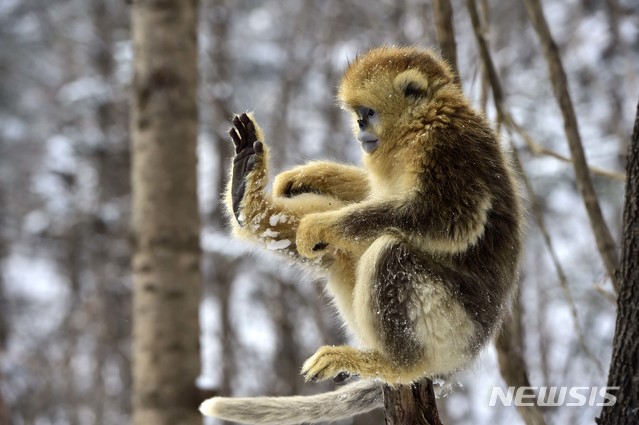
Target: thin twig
[[539, 150], [605, 243], [605, 293]]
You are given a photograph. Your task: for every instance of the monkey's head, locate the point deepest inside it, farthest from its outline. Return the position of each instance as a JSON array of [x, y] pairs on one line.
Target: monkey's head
[[392, 92]]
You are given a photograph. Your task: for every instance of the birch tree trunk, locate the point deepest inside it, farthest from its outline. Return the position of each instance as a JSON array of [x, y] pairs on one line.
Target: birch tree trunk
[[166, 225]]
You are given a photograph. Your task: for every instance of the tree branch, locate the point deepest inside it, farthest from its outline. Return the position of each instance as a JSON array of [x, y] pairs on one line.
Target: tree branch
[[561, 274], [503, 114], [413, 404], [509, 342], [512, 364], [537, 150], [445, 31], [605, 243]]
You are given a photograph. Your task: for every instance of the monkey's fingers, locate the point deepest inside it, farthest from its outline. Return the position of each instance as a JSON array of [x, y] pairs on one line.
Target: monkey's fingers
[[249, 128], [237, 141], [243, 134], [244, 118], [240, 124], [237, 123]]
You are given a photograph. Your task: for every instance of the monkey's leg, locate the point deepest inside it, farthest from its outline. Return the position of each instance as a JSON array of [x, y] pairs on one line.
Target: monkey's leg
[[406, 315], [255, 215], [347, 183]]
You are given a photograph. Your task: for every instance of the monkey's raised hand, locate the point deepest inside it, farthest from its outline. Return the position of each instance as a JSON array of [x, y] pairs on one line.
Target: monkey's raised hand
[[248, 151]]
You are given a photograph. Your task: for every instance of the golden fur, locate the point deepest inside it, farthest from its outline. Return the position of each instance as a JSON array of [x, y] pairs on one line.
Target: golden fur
[[420, 246]]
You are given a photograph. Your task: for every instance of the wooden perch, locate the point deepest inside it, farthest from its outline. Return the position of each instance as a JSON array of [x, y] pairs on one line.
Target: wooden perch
[[411, 404]]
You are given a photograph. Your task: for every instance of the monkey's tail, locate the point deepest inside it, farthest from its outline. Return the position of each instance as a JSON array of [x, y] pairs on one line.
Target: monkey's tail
[[349, 400]]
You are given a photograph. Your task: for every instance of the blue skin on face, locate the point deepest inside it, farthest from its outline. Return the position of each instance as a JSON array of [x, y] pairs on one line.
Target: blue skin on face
[[366, 120]]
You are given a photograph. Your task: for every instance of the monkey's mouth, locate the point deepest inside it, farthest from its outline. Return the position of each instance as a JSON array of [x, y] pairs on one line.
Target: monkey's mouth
[[370, 145]]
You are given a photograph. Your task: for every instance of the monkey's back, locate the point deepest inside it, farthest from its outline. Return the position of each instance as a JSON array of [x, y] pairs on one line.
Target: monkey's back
[[483, 276]]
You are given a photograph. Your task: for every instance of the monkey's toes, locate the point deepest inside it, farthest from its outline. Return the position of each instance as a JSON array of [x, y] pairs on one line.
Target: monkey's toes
[[327, 363], [320, 246], [341, 377]]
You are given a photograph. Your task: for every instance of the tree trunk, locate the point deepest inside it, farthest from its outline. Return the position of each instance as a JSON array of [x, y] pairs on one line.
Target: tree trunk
[[624, 368], [166, 225], [411, 404]]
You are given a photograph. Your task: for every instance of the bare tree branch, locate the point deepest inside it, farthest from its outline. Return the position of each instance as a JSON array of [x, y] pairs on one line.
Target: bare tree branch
[[605, 243], [445, 30], [498, 96], [485, 85], [561, 274], [484, 53], [512, 364], [504, 114], [537, 150]]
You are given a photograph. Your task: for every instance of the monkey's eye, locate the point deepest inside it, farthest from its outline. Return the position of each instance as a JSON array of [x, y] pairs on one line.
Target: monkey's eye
[[371, 112]]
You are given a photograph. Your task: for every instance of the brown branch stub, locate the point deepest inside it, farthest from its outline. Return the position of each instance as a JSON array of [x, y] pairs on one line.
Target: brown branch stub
[[413, 404], [605, 243]]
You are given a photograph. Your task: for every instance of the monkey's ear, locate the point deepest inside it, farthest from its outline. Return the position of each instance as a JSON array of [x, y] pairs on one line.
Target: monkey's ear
[[411, 83]]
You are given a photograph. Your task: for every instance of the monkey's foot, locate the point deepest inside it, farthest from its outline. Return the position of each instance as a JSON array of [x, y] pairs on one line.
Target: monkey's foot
[[338, 363], [327, 362], [343, 361], [248, 152]]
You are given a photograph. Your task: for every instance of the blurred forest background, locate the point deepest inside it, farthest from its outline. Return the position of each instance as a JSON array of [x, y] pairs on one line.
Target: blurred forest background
[[65, 192]]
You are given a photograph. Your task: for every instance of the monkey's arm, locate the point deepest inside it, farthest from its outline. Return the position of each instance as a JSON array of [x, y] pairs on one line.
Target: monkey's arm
[[446, 221], [347, 183], [254, 214]]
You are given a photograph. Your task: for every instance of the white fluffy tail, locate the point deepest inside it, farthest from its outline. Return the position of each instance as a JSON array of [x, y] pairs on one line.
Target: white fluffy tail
[[349, 400]]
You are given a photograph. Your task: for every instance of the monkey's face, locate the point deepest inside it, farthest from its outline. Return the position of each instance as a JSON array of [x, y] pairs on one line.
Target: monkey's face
[[389, 93], [386, 107], [368, 126]]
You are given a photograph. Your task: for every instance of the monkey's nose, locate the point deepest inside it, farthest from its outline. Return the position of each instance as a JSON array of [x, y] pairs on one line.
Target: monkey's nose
[[361, 124]]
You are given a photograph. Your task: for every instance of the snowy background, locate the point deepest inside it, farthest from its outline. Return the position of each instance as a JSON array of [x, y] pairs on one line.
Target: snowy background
[[65, 286]]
